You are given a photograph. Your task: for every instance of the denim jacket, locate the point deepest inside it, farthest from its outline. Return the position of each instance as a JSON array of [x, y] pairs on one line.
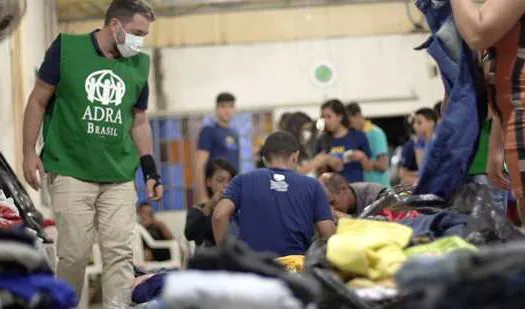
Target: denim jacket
[[451, 152]]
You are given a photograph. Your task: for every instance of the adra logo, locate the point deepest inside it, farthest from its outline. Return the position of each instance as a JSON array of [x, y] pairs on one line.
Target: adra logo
[[105, 90]]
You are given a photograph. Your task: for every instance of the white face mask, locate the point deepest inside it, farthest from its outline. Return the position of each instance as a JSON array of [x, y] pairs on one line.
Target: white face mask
[[131, 46], [307, 135]]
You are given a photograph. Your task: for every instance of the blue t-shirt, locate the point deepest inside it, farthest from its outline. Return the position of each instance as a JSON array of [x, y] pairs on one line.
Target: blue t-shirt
[[277, 209], [221, 143], [408, 156], [353, 140]]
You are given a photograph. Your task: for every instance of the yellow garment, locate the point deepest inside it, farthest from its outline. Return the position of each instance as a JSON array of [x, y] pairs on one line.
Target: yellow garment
[[368, 248], [440, 246], [292, 263]]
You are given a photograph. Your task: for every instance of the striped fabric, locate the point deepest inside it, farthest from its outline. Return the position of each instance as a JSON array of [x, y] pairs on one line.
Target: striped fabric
[[506, 79]]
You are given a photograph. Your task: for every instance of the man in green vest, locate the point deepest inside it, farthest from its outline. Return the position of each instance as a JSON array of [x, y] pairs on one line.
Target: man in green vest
[[91, 97]]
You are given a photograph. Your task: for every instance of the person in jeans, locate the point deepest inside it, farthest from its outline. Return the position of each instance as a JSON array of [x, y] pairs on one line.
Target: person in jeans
[[91, 95], [278, 210]]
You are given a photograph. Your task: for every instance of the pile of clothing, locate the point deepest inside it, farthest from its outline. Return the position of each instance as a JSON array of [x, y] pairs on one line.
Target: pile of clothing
[[370, 259], [26, 280], [232, 276]]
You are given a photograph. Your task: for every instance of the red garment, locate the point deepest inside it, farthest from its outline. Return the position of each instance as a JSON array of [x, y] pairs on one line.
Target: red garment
[[393, 215], [8, 218]]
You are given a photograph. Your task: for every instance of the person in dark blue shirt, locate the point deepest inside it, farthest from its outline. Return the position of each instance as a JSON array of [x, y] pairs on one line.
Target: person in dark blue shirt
[[278, 210], [349, 147], [217, 141]]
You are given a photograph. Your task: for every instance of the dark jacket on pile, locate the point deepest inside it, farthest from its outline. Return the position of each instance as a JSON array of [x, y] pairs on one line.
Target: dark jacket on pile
[[449, 155], [25, 275]]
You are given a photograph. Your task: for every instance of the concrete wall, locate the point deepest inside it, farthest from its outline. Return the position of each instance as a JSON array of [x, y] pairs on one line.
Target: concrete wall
[[382, 72]]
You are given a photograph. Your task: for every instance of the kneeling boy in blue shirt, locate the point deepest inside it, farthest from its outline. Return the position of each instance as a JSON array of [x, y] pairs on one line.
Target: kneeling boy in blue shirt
[[278, 210]]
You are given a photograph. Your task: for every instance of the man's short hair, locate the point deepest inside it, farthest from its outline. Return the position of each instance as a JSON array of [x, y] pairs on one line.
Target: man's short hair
[[333, 182], [279, 145], [124, 10], [224, 97], [353, 109], [427, 113]]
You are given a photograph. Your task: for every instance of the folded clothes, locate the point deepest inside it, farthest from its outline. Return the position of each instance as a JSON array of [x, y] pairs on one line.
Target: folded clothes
[[440, 246], [148, 289], [438, 225], [368, 248], [223, 290], [29, 287], [292, 263]]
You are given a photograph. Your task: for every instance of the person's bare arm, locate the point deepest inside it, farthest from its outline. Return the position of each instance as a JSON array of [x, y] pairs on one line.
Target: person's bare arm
[[317, 162], [166, 233], [496, 156], [380, 164], [325, 228], [34, 113], [482, 27], [407, 177], [335, 164], [361, 157], [420, 155], [202, 158], [220, 219], [141, 134]]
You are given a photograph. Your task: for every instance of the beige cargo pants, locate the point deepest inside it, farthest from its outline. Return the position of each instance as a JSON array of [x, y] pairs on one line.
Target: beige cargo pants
[[84, 210]]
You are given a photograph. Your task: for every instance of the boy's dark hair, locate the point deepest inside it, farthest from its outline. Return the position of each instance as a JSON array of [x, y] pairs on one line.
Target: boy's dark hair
[[353, 109], [437, 108], [219, 164], [427, 113], [224, 97], [279, 145], [124, 10], [214, 165]]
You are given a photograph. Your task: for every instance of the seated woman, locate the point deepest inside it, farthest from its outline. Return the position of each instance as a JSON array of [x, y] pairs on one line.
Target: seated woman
[[157, 230], [218, 174]]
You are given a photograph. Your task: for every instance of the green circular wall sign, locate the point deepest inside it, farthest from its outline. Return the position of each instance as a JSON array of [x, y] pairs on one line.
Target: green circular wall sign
[[322, 74]]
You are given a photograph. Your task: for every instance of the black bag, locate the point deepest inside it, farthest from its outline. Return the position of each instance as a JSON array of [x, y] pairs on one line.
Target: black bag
[[487, 223], [10, 184]]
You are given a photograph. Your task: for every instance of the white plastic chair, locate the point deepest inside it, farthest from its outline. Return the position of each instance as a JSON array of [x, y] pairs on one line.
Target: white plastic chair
[[176, 254]]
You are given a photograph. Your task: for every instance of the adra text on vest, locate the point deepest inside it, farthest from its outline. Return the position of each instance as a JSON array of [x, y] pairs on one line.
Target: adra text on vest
[[101, 120]]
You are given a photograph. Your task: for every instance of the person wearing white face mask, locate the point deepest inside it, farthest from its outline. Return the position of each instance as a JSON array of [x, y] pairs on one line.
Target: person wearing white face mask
[[91, 95], [302, 127]]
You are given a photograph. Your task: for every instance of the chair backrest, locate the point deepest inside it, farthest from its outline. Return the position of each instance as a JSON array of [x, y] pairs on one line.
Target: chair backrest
[[175, 220]]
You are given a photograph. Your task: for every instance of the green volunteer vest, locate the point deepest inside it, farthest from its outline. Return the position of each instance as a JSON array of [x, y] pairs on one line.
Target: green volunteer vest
[[87, 126]]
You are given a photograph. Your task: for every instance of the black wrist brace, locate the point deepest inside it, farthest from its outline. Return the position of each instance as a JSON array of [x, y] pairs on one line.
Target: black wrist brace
[[149, 169]]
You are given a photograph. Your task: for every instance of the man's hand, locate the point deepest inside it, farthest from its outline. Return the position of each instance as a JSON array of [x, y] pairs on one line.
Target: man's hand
[[33, 170], [358, 155], [155, 190]]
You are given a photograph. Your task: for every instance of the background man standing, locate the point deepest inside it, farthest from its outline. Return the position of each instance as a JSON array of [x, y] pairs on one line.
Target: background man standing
[[217, 141], [91, 95], [378, 145]]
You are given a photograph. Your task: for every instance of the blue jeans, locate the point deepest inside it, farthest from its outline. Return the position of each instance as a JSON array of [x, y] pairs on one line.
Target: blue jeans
[[499, 197]]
